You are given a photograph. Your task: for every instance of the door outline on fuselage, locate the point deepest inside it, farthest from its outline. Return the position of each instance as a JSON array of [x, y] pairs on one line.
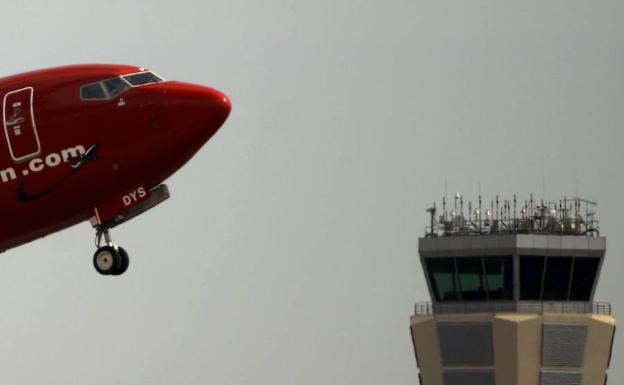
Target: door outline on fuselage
[[32, 121]]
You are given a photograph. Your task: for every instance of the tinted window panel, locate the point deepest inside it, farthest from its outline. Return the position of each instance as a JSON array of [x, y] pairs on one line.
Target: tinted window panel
[[115, 86], [583, 278], [92, 91], [442, 277], [470, 272], [142, 78], [557, 281], [531, 274], [499, 277]]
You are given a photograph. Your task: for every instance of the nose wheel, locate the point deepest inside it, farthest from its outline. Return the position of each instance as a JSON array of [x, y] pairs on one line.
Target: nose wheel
[[109, 259]]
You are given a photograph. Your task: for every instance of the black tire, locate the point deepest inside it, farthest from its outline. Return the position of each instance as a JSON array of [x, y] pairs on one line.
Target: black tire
[[125, 261], [107, 260]]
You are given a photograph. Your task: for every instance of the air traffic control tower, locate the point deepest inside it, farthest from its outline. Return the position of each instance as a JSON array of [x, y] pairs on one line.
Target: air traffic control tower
[[512, 296]]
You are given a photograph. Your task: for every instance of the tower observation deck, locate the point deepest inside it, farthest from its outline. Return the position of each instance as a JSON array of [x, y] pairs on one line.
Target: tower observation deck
[[512, 295]]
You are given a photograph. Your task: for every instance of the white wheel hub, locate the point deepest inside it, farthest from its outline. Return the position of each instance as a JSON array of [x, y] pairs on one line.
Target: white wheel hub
[[105, 260]]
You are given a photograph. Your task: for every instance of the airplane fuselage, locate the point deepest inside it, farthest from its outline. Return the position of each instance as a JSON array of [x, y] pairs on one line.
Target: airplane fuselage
[[77, 137]]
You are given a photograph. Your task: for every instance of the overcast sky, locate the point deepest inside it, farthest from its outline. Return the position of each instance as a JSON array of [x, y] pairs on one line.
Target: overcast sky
[[288, 251]]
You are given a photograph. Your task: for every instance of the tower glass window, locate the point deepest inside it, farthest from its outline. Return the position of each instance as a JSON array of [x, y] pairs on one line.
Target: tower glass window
[[471, 282], [499, 277], [583, 278], [442, 278], [557, 278], [531, 275]]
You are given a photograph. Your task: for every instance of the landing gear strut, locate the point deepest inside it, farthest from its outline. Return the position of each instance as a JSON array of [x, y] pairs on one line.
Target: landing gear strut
[[109, 259]]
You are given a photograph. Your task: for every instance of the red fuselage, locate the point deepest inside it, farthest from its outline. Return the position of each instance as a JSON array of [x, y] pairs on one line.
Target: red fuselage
[[76, 137]]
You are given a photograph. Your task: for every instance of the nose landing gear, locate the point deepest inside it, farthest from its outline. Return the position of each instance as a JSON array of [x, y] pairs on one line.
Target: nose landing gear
[[109, 259]]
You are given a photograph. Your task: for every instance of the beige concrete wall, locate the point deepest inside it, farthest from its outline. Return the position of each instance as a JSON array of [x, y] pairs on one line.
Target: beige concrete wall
[[505, 329], [598, 349], [529, 335], [600, 329], [425, 335], [517, 345]]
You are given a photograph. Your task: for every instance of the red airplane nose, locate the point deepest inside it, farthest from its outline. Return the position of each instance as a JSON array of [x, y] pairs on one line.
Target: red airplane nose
[[196, 112], [219, 105]]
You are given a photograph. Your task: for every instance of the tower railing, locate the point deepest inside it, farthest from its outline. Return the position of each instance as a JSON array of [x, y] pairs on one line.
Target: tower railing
[[535, 307]]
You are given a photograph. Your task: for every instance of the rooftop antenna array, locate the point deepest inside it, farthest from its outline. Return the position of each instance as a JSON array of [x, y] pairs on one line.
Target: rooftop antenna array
[[562, 217]]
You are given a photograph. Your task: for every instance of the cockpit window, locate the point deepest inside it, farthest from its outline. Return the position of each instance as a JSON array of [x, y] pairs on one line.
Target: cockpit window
[[93, 91], [104, 90], [110, 88], [115, 86], [143, 78]]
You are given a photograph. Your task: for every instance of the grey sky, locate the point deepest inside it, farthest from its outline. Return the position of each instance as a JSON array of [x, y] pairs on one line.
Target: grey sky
[[288, 252]]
